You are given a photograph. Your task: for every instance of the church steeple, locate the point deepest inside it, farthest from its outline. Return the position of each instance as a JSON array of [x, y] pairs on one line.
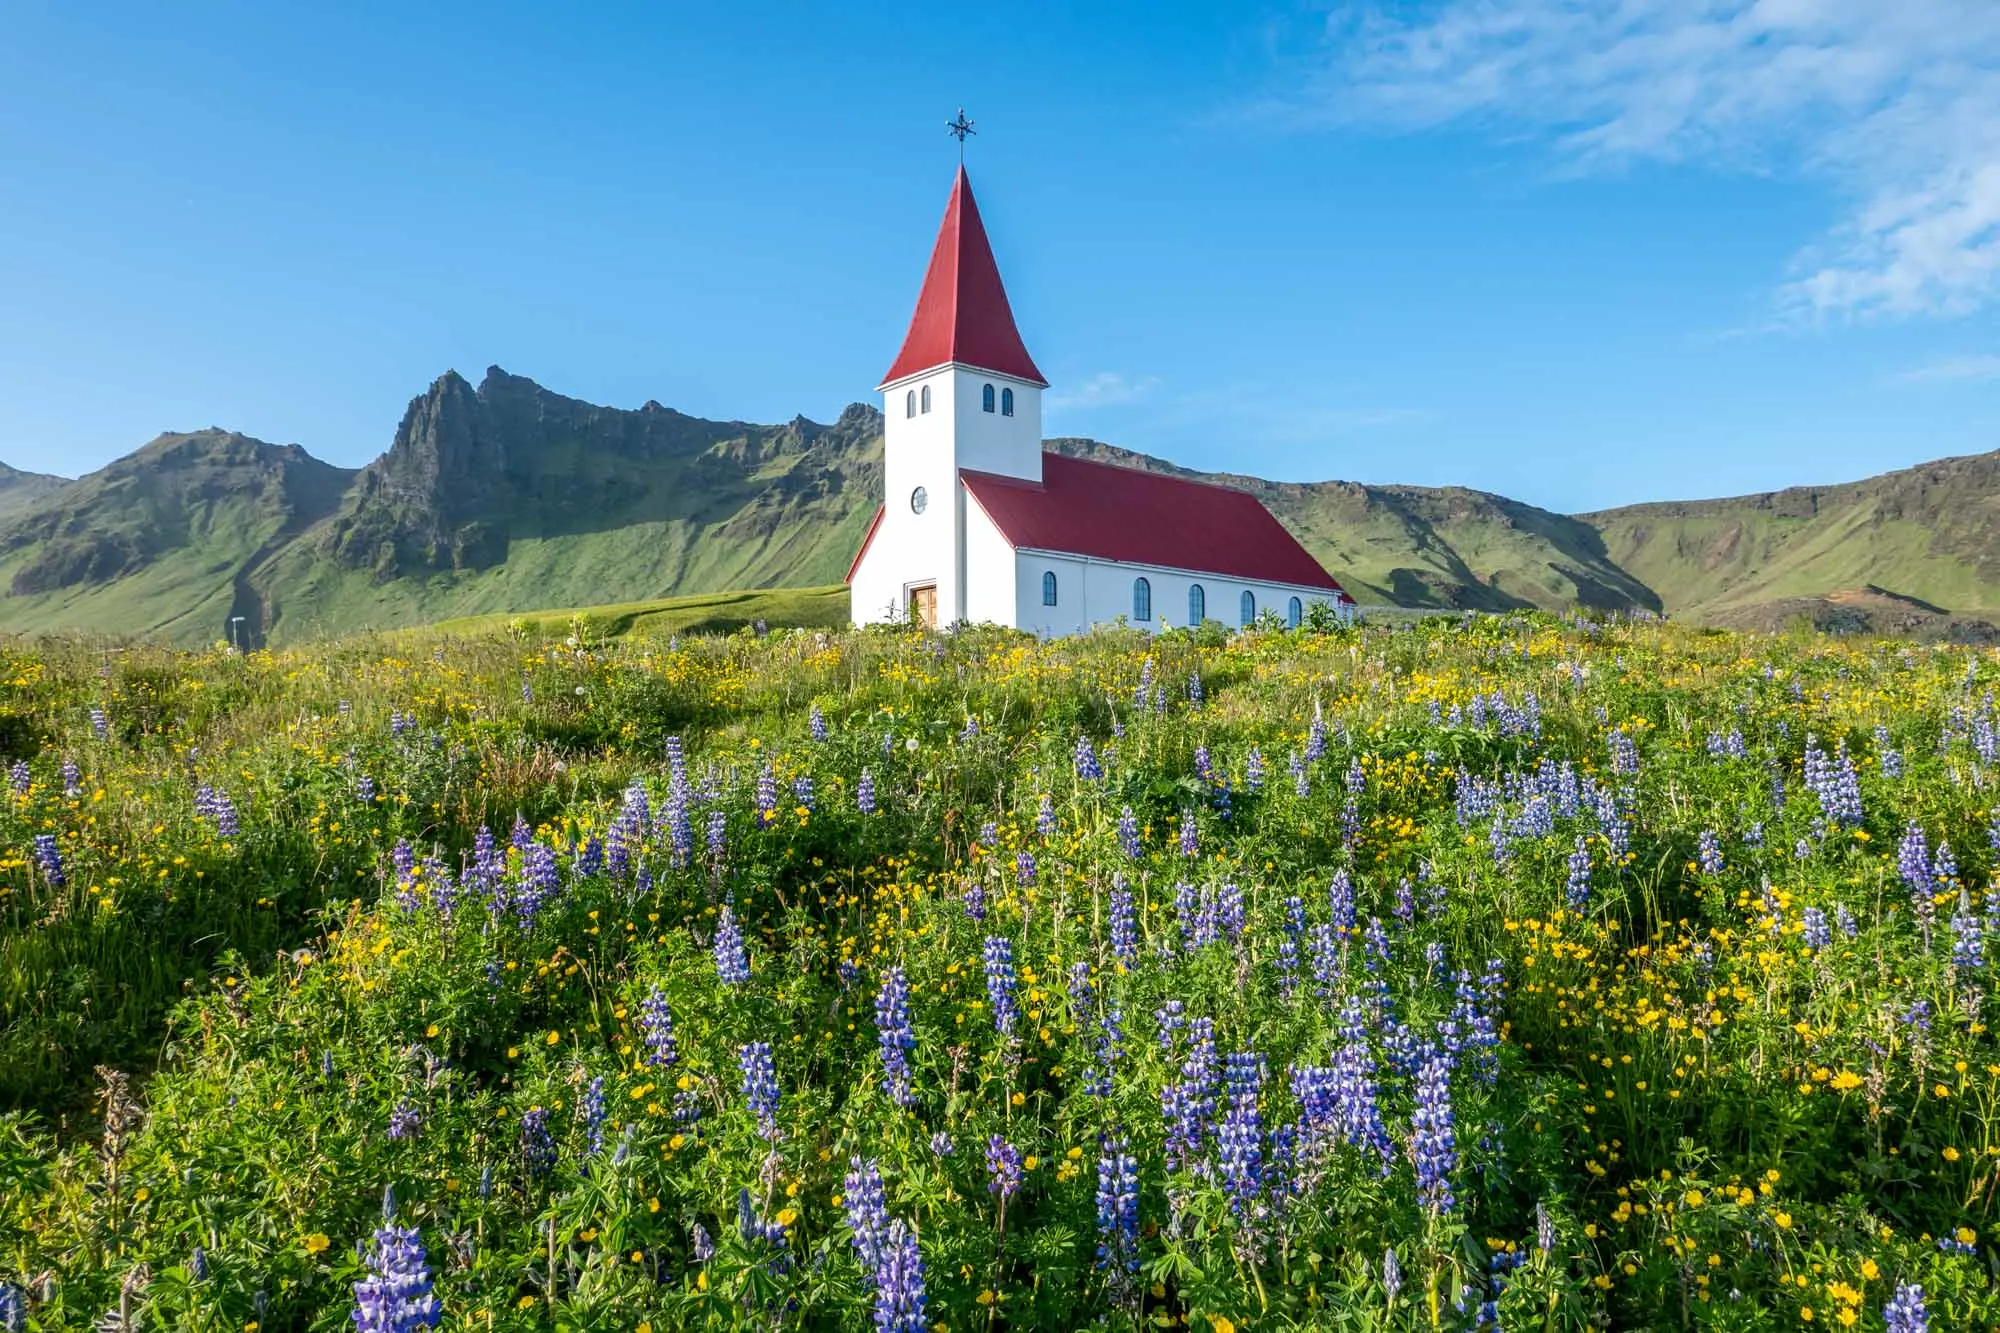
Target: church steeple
[[962, 315]]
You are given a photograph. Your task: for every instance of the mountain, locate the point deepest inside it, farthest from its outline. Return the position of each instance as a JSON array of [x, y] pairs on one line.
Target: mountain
[[1929, 533], [506, 497]]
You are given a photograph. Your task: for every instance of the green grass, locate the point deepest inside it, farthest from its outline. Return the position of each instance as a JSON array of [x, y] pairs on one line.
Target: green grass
[[706, 613]]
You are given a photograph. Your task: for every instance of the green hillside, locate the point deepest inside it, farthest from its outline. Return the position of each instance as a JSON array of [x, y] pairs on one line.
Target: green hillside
[[1930, 533], [504, 498]]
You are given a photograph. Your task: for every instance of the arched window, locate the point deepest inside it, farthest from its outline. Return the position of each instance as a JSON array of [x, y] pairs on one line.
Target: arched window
[[1249, 606], [986, 398], [1142, 600], [1197, 604], [1049, 588], [924, 400], [1294, 613], [910, 403], [1006, 401]]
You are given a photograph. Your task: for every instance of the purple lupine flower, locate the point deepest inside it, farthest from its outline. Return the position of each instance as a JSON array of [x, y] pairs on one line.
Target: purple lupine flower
[[1323, 948], [72, 779], [13, 1308], [1294, 930], [1003, 1167], [974, 899], [1577, 892], [1024, 867], [540, 881], [899, 1282], [1128, 834], [1913, 863], [48, 857], [1203, 769], [593, 1111], [864, 792], [1357, 1112], [404, 1121], [760, 1086], [627, 833], [718, 835], [1170, 1018], [1045, 816], [1433, 1141], [802, 790], [1905, 1313], [816, 723], [396, 1296], [767, 795], [656, 1029], [1709, 852], [1967, 943], [867, 1208], [1340, 899], [217, 807], [1253, 770], [894, 1036], [1240, 1153], [1000, 983], [20, 777], [1817, 936], [1194, 689], [732, 960], [1624, 754], [1124, 927], [1117, 1208], [1188, 840], [100, 723], [1087, 767], [1316, 736], [538, 1146], [1301, 776]]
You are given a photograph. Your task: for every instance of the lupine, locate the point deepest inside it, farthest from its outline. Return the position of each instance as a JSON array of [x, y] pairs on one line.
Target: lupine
[[20, 777], [48, 857], [867, 1209], [1340, 901], [1124, 927], [1816, 934], [1188, 842], [656, 1029], [72, 779], [1240, 1153], [1128, 834], [1316, 736], [1087, 767], [1709, 851], [396, 1295], [100, 723], [894, 1037], [1000, 983], [404, 1121], [1117, 1208], [1967, 944], [816, 723], [1577, 893], [802, 790], [540, 881], [1433, 1140], [760, 1086], [767, 794], [1288, 946], [899, 1282], [732, 961], [864, 792], [1003, 1167], [1301, 776], [1253, 770], [538, 1146], [1905, 1313], [593, 1112], [1024, 867]]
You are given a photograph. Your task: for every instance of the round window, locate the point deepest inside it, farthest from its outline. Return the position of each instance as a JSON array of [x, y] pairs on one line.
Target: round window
[[918, 499]]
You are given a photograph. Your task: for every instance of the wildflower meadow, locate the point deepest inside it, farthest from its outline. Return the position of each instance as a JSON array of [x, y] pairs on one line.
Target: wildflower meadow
[[1508, 973]]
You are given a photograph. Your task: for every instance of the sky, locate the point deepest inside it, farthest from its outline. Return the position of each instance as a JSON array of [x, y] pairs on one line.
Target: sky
[[1578, 252]]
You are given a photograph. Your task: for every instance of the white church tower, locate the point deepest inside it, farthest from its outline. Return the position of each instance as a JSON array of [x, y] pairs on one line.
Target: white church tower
[[962, 394]]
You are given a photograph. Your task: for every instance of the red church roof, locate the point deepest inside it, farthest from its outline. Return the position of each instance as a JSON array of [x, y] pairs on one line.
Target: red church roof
[[962, 314], [1144, 518]]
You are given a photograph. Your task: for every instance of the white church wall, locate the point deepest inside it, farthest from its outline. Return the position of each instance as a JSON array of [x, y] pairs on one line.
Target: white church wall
[[990, 569], [1097, 592], [993, 441]]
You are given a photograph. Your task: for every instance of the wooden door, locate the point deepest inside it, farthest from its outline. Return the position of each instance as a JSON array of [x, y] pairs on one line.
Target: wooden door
[[923, 605]]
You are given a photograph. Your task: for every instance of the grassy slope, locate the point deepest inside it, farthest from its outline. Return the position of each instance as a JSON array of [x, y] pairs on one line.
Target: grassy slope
[[721, 612], [1925, 532]]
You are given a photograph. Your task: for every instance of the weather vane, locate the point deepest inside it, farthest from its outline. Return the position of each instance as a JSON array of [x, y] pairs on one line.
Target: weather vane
[[958, 129]]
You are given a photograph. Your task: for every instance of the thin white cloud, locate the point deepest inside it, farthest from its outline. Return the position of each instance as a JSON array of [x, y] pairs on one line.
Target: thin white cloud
[[1953, 369], [1107, 388], [1894, 103]]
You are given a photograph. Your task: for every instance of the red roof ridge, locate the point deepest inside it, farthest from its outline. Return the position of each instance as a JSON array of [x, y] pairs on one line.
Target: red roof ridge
[[962, 313]]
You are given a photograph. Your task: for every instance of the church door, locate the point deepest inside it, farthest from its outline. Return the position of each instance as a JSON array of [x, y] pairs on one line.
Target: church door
[[923, 605]]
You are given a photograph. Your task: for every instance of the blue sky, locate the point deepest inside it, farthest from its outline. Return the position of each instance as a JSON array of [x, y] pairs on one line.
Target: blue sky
[[1580, 252]]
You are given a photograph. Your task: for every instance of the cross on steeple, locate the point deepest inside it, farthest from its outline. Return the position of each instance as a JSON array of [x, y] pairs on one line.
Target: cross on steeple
[[958, 129]]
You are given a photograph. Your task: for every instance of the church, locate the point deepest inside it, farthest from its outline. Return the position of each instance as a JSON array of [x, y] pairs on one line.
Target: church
[[980, 524]]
